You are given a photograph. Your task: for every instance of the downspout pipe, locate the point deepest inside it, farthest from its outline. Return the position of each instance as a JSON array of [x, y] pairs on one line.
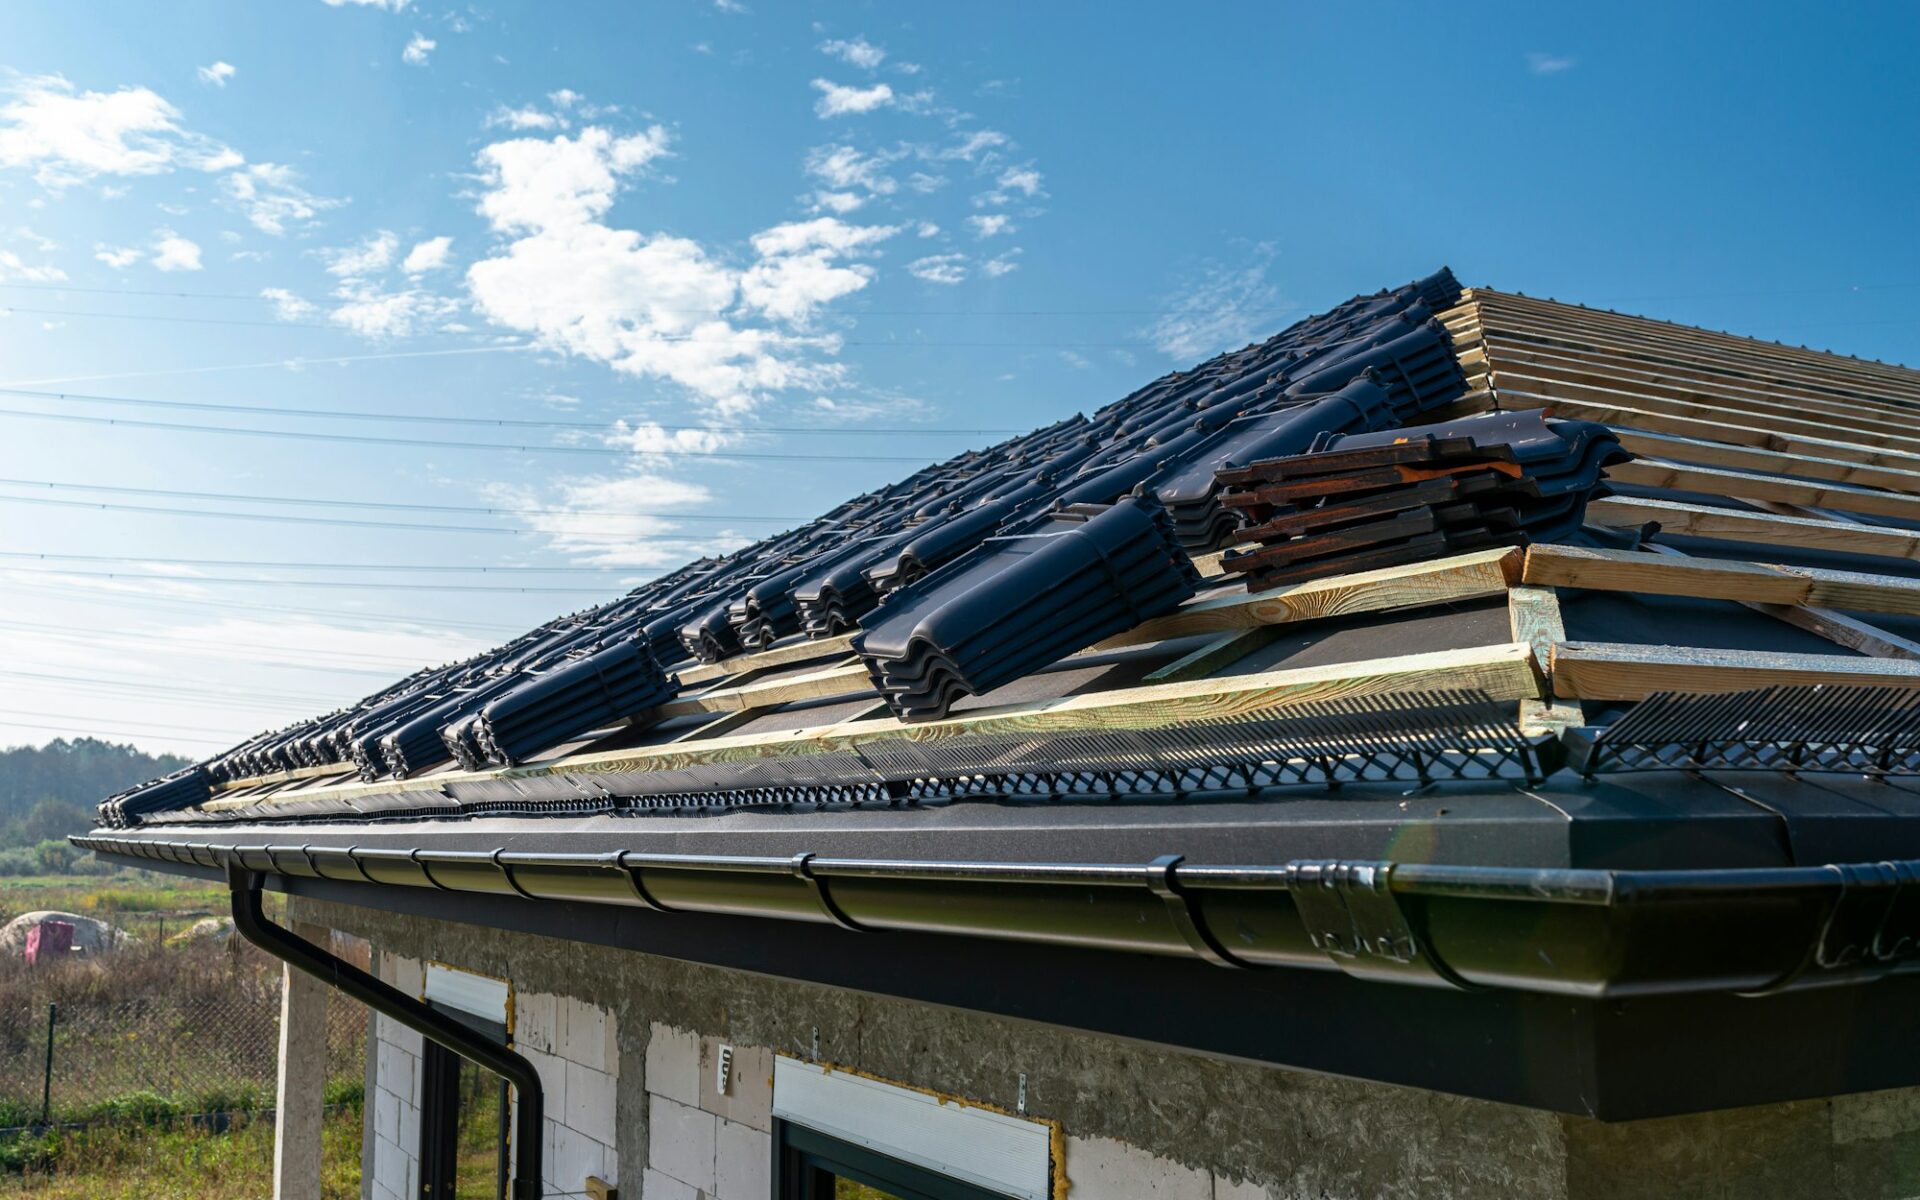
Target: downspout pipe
[[250, 919]]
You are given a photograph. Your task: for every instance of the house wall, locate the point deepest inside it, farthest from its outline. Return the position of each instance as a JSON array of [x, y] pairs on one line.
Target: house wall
[[1138, 1122]]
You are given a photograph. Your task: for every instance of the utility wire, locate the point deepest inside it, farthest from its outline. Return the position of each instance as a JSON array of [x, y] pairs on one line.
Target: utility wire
[[387, 505], [163, 639], [325, 583], [144, 684], [371, 440], [503, 422], [194, 604], [254, 565], [284, 518], [94, 731]]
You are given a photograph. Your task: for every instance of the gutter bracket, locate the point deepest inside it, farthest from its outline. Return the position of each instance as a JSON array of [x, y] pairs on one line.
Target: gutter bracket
[[803, 870], [1186, 915], [1352, 917]]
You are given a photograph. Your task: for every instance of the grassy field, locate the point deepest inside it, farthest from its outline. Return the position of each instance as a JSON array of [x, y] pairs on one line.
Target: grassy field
[[142, 1163], [142, 902]]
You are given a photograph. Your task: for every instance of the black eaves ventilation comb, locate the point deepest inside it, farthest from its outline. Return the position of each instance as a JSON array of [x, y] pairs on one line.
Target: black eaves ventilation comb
[[1809, 728]]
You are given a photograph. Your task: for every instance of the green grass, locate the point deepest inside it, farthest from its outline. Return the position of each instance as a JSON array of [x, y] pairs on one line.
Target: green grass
[[171, 1162], [133, 899]]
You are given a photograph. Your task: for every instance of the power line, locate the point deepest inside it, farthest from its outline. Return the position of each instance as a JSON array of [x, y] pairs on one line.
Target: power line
[[501, 422], [196, 603], [319, 583], [96, 731], [747, 333], [146, 685], [387, 505], [284, 518], [254, 565], [161, 640], [279, 364], [717, 312], [370, 440], [20, 712]]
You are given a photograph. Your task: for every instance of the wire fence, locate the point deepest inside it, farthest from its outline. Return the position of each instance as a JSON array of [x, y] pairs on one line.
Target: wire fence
[[154, 1032]]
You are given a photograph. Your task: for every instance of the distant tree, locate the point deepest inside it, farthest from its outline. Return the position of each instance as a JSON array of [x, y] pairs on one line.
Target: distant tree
[[78, 772], [53, 819]]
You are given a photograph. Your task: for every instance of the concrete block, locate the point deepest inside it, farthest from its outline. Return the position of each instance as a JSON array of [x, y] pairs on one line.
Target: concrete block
[[576, 1156], [1105, 1169], [390, 1168], [742, 1162], [407, 974], [386, 1115], [589, 1105], [583, 1033], [553, 1078], [673, 1064], [536, 1021], [656, 1186], [749, 1095], [680, 1142]]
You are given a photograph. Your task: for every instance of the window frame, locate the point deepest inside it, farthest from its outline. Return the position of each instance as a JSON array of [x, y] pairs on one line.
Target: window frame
[[804, 1159], [439, 1147]]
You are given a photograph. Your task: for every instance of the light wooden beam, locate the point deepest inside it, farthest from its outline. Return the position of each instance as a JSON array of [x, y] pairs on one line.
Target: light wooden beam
[[1624, 671], [1223, 651], [1716, 579], [780, 656], [1533, 617], [1767, 529], [1749, 486], [1462, 577], [1504, 672], [1705, 452]]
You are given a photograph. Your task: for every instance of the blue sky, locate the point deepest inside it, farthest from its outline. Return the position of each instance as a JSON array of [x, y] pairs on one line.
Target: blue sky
[[729, 263]]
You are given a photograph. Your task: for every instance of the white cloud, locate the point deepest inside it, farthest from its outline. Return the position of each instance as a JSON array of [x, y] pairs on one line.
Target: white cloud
[[837, 100], [1224, 306], [271, 200], [217, 74], [843, 167], [370, 257], [925, 184], [859, 52], [535, 183], [940, 268], [731, 6], [969, 146], [927, 229], [429, 255], [117, 257], [617, 522], [527, 117], [1020, 179], [389, 5], [994, 268], [171, 252], [1077, 361], [841, 203], [821, 233], [373, 313], [653, 438], [419, 46], [287, 306], [990, 224], [1541, 63], [66, 136], [11, 267], [656, 305]]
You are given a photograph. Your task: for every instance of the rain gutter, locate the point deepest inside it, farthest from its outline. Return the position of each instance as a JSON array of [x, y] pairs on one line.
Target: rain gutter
[[1573, 932]]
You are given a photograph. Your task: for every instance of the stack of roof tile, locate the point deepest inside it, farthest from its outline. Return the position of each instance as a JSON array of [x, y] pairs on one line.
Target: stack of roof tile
[[557, 706], [1020, 602], [1364, 501]]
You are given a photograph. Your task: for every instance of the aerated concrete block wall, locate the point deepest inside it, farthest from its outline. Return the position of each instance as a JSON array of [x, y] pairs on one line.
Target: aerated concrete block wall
[[393, 1104], [1139, 1122]]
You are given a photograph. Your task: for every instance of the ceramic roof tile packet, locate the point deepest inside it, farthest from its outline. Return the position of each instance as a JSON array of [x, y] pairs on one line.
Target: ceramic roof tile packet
[[1559, 664]]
